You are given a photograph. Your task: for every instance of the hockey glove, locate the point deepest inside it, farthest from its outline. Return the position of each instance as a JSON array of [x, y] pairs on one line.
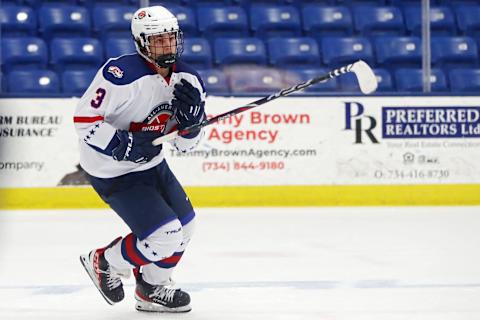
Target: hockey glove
[[135, 146], [188, 104]]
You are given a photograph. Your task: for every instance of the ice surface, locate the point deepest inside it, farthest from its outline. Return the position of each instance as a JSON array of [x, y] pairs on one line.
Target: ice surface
[[260, 263]]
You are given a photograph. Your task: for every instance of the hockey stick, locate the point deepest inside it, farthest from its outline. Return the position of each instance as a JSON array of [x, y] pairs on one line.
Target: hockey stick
[[365, 77]]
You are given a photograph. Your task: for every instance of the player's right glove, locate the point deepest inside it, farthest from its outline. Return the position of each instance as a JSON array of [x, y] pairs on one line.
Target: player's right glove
[[136, 146], [188, 104]]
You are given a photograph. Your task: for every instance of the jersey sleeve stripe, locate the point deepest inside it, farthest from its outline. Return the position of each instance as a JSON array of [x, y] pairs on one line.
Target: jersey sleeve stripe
[[87, 119]]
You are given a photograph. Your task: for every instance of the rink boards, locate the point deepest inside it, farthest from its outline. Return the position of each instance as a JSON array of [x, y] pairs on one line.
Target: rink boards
[[300, 151]]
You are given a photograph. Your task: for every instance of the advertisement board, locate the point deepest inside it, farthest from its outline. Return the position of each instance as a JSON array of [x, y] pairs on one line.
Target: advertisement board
[[289, 142]]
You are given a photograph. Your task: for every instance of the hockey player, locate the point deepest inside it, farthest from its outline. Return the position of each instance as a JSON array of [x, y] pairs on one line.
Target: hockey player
[[132, 100]]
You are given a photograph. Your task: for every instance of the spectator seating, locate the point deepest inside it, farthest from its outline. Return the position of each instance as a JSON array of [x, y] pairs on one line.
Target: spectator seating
[[239, 51], [186, 19], [215, 81], [112, 20], [218, 21], [411, 80], [197, 53], [326, 21], [340, 50], [297, 38], [17, 20], [295, 76], [24, 53], [115, 47], [255, 80], [76, 82], [396, 52], [468, 18], [63, 21], [284, 52], [372, 20], [465, 80], [349, 83], [75, 53], [33, 82], [442, 20], [271, 21], [454, 51]]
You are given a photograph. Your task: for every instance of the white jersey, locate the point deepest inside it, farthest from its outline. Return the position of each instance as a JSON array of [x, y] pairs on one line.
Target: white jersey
[[128, 94]]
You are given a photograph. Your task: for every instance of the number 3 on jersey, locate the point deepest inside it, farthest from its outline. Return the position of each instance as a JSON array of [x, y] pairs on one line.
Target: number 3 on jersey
[[97, 101]]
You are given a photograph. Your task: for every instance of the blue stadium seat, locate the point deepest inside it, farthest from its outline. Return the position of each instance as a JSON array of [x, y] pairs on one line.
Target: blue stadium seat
[[215, 81], [38, 3], [112, 20], [167, 3], [63, 21], [384, 79], [92, 3], [284, 52], [271, 21], [465, 80], [371, 20], [363, 2], [186, 19], [219, 21], [454, 51], [442, 20], [24, 53], [197, 52], [340, 50], [115, 47], [75, 53], [209, 2], [411, 80], [255, 80], [349, 83], [396, 52], [468, 18], [239, 51], [33, 82], [295, 76], [321, 21], [17, 21], [75, 82]]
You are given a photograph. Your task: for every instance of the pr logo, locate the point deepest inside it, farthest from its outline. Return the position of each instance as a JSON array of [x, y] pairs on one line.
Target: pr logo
[[362, 124]]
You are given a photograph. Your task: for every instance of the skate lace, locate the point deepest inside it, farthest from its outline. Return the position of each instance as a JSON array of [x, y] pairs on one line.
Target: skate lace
[[162, 293], [113, 280]]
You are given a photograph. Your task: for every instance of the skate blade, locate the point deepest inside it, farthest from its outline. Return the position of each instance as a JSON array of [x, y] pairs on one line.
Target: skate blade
[[153, 307], [84, 260]]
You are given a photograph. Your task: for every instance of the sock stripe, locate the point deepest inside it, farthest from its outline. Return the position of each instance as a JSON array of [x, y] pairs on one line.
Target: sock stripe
[[171, 261], [131, 253]]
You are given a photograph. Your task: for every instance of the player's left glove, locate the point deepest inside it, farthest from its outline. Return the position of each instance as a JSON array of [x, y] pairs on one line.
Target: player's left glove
[[188, 103], [135, 146]]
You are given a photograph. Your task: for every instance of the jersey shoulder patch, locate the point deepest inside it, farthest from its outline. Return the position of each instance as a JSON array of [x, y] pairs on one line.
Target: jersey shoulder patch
[[181, 66], [126, 69]]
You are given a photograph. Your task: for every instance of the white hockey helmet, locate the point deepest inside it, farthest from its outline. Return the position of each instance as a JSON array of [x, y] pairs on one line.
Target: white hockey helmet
[[151, 21]]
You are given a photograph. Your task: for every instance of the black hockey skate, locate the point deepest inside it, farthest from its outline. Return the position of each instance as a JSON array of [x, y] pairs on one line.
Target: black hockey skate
[[155, 298], [104, 278]]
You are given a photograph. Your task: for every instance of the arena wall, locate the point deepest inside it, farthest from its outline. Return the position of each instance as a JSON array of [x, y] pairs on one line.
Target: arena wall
[[299, 151]]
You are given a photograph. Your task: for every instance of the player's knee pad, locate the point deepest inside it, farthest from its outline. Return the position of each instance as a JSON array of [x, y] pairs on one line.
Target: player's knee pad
[[188, 230], [163, 242]]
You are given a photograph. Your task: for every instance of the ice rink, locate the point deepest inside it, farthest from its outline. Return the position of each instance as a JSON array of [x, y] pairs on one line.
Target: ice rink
[[260, 263]]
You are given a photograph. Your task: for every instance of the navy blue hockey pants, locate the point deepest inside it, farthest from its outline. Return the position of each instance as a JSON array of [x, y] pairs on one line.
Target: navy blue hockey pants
[[146, 200]]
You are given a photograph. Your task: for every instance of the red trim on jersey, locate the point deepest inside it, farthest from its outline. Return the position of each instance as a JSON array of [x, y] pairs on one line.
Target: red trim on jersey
[[87, 119]]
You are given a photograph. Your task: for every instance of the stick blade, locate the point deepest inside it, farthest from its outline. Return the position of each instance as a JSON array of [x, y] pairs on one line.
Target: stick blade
[[365, 76]]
